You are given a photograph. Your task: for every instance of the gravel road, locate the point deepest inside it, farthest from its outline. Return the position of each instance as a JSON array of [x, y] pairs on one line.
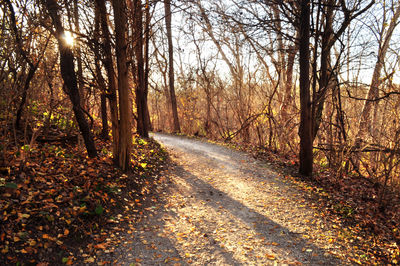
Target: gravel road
[[222, 207]]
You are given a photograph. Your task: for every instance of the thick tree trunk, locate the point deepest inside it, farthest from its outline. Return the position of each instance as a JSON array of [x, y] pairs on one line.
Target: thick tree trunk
[[112, 86], [69, 76], [305, 130], [124, 92], [167, 7]]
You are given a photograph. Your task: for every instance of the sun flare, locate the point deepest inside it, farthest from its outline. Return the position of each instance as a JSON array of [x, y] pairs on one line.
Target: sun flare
[[68, 38]]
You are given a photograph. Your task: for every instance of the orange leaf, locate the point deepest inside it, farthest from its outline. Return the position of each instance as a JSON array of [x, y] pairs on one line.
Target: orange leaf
[[100, 246]]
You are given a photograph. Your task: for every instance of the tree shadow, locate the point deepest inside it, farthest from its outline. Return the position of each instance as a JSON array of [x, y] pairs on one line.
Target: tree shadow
[[150, 244], [291, 242]]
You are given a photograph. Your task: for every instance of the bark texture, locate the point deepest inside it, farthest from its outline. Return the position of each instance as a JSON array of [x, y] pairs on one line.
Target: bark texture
[[124, 92], [305, 130], [141, 92]]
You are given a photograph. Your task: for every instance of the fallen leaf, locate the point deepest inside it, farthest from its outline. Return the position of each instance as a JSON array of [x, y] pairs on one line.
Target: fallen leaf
[[270, 256]]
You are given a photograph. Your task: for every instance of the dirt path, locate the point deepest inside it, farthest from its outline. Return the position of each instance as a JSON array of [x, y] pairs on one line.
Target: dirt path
[[225, 208]]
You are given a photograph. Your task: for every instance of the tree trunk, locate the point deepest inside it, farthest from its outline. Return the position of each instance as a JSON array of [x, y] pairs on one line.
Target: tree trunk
[[104, 120], [141, 93], [31, 73], [325, 71], [69, 76], [78, 57], [99, 77], [124, 92], [112, 86], [167, 7], [146, 58], [288, 100], [305, 130]]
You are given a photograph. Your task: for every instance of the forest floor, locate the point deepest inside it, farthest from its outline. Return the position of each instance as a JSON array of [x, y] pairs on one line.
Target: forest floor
[[59, 207], [202, 204]]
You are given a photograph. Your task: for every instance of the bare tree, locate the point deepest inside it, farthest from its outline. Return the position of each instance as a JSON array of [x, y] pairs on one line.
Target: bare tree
[[385, 36], [69, 76], [32, 66]]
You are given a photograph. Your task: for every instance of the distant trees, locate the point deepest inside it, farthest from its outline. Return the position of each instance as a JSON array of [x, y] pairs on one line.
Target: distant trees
[[384, 37], [272, 82]]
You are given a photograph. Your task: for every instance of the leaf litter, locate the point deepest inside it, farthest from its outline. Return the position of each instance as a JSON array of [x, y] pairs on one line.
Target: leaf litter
[[56, 205]]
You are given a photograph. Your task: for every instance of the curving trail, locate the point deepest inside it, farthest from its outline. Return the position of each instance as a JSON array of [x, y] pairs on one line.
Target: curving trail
[[225, 208]]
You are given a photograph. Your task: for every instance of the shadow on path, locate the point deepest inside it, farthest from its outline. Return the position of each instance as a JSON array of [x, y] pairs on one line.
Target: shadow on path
[[290, 242]]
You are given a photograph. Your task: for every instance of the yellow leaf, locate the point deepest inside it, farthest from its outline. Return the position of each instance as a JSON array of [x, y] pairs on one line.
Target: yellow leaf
[[270, 256], [89, 260], [66, 232]]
